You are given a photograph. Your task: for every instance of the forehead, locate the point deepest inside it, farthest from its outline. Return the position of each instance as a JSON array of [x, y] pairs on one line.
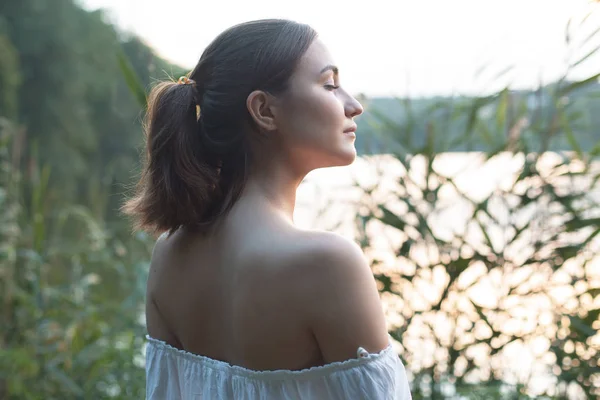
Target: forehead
[[312, 62]]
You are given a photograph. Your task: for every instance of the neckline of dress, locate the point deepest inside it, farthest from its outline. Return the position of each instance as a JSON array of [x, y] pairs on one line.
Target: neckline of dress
[[278, 374]]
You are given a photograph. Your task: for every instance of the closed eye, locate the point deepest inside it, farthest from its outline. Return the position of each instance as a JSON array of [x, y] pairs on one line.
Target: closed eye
[[331, 87]]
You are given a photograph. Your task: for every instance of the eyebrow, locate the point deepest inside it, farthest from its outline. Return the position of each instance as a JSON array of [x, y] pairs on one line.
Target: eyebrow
[[330, 68]]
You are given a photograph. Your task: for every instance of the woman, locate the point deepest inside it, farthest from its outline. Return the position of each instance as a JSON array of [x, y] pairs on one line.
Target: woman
[[240, 303]]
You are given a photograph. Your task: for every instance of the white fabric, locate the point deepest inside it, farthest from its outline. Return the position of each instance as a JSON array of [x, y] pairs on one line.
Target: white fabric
[[173, 374]]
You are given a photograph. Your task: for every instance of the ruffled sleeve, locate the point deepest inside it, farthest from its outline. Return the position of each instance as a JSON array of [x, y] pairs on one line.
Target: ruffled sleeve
[[378, 376]]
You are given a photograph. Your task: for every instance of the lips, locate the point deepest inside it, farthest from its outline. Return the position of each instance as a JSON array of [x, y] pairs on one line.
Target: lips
[[350, 130]]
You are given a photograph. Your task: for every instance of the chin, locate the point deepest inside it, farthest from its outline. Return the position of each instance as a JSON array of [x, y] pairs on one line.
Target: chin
[[337, 157], [350, 159], [344, 158]]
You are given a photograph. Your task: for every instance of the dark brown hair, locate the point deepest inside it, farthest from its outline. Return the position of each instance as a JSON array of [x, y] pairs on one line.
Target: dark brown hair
[[196, 168]]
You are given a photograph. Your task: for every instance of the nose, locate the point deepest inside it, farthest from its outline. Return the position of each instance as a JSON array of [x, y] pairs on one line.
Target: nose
[[352, 107]]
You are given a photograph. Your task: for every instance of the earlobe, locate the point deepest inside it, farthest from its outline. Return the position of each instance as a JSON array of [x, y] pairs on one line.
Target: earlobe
[[259, 106]]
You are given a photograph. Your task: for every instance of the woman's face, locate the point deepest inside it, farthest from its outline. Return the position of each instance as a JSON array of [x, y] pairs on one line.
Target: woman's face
[[315, 114]]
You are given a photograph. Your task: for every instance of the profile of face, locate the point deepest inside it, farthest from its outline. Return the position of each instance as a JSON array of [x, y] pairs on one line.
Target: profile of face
[[312, 121]]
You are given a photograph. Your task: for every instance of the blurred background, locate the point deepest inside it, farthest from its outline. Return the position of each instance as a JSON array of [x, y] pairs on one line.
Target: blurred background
[[475, 194]]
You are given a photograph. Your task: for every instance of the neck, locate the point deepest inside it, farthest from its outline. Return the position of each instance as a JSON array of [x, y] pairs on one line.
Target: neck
[[276, 188]]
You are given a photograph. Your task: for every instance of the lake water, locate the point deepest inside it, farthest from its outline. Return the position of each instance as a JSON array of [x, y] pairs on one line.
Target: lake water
[[329, 199]]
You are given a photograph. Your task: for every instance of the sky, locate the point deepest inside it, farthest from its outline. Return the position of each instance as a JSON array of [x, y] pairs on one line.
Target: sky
[[391, 47]]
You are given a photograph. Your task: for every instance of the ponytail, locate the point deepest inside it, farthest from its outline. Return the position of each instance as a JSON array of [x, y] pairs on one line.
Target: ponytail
[[179, 179]]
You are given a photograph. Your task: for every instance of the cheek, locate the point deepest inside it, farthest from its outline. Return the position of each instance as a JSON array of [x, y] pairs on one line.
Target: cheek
[[317, 115], [312, 131]]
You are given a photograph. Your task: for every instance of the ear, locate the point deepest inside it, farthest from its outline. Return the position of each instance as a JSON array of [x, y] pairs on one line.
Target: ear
[[260, 106]]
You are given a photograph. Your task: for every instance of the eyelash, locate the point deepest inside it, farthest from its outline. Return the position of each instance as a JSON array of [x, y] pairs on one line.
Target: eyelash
[[331, 87]]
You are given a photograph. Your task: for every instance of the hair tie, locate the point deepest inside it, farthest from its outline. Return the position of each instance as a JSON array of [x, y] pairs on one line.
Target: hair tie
[[184, 80]]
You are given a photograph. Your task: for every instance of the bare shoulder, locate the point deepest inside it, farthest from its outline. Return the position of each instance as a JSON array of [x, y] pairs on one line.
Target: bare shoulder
[[157, 283], [164, 255], [339, 295], [326, 257], [159, 253], [332, 245], [319, 255]]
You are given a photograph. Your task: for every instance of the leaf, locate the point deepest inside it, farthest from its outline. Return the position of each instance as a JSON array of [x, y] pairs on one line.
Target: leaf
[[567, 33], [576, 224], [590, 36], [588, 55], [404, 250], [132, 80], [455, 268], [503, 72], [573, 142], [391, 219], [479, 310], [485, 234], [592, 317], [488, 136], [595, 151], [567, 252], [472, 118], [480, 70], [386, 281], [590, 238], [575, 85], [581, 327]]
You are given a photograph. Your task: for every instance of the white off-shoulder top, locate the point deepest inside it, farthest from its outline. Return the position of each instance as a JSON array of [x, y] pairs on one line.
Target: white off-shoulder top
[[173, 374]]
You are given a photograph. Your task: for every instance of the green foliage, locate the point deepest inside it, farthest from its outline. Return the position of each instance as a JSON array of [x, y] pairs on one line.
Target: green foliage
[[10, 78], [72, 296], [72, 276], [519, 267], [74, 101], [132, 80]]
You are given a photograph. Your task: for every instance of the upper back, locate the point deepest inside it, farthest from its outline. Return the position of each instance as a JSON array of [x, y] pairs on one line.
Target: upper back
[[264, 296], [228, 298]]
